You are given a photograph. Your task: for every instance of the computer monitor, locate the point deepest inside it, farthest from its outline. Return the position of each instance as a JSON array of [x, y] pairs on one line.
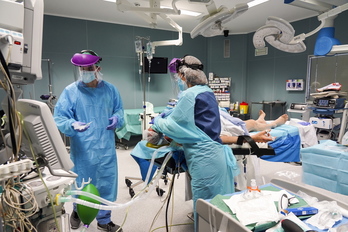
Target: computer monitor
[[159, 65], [40, 130]]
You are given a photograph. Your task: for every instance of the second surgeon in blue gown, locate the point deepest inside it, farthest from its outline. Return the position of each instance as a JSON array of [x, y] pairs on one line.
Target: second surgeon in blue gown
[[88, 111]]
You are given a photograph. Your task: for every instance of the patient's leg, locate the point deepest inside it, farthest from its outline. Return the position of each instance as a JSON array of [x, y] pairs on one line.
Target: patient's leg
[[260, 124], [261, 118]]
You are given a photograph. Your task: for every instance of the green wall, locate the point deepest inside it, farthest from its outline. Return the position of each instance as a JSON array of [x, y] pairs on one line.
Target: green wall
[[63, 37], [267, 75], [253, 78]]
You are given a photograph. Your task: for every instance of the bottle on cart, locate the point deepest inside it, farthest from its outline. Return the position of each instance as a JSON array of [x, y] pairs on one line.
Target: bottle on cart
[[236, 106], [253, 186], [252, 191]]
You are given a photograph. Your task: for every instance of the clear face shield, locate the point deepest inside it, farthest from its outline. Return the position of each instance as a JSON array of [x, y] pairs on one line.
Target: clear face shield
[[178, 85], [86, 67], [88, 73]]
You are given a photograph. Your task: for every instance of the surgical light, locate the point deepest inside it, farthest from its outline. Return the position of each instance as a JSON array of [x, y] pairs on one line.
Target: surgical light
[[280, 34], [212, 24]]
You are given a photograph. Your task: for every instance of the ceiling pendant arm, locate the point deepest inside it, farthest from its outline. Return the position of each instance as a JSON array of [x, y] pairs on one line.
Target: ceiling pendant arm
[[177, 42], [175, 8], [213, 24], [211, 8], [296, 44], [333, 12], [303, 36], [154, 10], [322, 18]]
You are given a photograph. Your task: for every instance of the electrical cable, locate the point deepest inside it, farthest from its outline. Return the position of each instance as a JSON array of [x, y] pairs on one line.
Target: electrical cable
[[170, 194], [18, 205], [157, 214], [8, 153], [145, 188], [167, 199], [41, 177], [15, 120], [11, 103], [107, 205], [180, 224], [167, 226]]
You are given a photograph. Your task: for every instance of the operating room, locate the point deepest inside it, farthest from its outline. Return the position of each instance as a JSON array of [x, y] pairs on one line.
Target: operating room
[[260, 80]]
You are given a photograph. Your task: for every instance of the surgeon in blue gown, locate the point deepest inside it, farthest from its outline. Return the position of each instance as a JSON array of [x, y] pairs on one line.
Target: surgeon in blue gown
[[88, 111], [195, 124]]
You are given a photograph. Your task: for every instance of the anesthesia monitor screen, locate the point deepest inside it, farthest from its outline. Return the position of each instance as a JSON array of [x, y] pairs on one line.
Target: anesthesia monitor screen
[[323, 102]]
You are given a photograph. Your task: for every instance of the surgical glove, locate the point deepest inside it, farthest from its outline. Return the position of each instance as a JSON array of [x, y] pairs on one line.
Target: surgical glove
[[80, 126], [113, 123], [162, 115]]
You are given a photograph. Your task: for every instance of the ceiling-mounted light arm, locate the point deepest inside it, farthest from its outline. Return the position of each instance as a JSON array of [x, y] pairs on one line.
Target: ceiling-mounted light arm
[[155, 10], [211, 8], [177, 42], [280, 34], [315, 5], [303, 36], [124, 5], [326, 19], [212, 24], [333, 12], [175, 8]]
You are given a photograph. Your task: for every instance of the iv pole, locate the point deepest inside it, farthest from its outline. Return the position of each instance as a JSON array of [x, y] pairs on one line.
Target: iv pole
[[49, 97], [153, 11], [139, 48]]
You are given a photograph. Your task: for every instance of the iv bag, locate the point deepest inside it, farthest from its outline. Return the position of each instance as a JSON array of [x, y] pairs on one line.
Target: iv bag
[[149, 51], [138, 46]]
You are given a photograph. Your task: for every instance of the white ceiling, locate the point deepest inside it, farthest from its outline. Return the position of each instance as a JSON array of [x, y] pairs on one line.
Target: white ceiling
[[250, 21]]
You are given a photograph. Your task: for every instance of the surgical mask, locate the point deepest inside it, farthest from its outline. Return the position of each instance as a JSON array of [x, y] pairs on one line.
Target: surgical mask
[[182, 84], [87, 76], [99, 76]]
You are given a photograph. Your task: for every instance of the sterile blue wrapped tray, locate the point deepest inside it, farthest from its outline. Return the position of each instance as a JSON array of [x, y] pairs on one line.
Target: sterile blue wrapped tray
[[325, 166], [343, 188], [319, 181], [287, 144]]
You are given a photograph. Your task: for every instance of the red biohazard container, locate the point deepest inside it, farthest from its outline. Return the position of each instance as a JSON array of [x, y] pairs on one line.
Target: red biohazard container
[[243, 108]]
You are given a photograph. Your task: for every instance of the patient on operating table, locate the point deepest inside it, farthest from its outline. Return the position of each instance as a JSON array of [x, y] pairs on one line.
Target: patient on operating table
[[232, 127]]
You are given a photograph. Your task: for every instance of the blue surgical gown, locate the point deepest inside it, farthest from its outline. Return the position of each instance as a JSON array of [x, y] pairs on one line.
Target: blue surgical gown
[[211, 164], [92, 151]]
